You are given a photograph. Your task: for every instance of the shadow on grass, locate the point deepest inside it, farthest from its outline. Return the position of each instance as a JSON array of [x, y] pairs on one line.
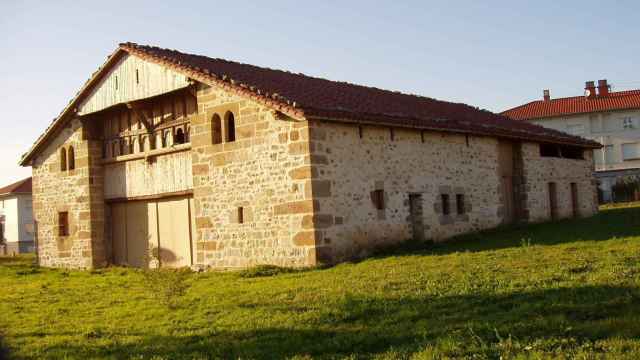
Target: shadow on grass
[[373, 325], [608, 224]]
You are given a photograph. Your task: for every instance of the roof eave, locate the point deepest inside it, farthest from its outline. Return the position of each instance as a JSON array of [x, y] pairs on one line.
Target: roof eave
[[70, 108]]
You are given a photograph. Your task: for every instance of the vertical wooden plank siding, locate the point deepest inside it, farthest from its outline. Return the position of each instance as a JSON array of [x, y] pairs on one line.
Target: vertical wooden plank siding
[[151, 80]]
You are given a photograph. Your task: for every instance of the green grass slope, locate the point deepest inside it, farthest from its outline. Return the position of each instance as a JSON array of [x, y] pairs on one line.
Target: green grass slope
[[562, 290]]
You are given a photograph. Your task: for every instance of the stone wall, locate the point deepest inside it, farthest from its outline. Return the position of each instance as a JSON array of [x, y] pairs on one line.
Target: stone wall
[[78, 192], [400, 162], [540, 171], [265, 171], [355, 161]]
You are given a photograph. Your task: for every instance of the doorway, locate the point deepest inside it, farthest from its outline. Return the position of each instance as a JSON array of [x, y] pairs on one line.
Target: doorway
[[147, 230], [574, 200], [553, 201], [415, 216]]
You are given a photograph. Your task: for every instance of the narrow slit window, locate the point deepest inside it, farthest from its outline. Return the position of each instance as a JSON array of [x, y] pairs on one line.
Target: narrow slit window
[[71, 158], [460, 204], [63, 223], [360, 132], [378, 199], [216, 129], [392, 134], [446, 207], [137, 77], [116, 81], [63, 159], [241, 215], [230, 127]]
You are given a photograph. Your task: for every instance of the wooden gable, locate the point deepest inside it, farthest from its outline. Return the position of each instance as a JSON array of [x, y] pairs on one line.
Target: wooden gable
[[131, 78]]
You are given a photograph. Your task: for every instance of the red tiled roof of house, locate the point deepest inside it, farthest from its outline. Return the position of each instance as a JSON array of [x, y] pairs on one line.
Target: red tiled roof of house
[[619, 100], [20, 187], [333, 100], [302, 96]]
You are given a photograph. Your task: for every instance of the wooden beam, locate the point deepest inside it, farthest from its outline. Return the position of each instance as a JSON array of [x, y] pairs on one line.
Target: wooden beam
[[142, 112]]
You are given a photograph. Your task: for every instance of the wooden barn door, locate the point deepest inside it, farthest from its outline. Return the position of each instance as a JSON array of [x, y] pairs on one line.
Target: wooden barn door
[[174, 230], [161, 229]]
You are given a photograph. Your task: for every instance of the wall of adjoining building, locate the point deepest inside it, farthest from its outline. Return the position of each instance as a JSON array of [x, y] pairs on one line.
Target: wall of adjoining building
[[359, 160], [349, 224], [540, 171]]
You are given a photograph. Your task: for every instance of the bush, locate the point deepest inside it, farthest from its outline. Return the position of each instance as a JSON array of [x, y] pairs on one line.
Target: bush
[[626, 189], [265, 271], [167, 285]]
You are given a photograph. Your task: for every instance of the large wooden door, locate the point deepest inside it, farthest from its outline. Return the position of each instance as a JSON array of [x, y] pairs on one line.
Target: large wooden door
[[119, 233], [174, 225], [152, 229], [139, 239], [506, 172]]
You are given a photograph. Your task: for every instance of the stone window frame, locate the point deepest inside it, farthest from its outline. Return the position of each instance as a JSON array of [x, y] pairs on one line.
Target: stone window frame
[[379, 199], [454, 214], [62, 221], [219, 126], [63, 159], [460, 204], [216, 129], [71, 158], [230, 126]]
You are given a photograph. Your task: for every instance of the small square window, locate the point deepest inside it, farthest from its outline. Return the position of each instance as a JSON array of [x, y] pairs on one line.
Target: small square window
[[460, 204], [378, 199], [446, 207], [63, 223]]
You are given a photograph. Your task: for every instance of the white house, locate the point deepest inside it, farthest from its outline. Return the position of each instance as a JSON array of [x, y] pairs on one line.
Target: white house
[[16, 218]]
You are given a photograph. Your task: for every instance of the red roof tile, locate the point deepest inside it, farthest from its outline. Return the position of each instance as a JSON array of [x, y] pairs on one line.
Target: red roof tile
[[619, 100], [332, 100], [302, 96], [20, 187]]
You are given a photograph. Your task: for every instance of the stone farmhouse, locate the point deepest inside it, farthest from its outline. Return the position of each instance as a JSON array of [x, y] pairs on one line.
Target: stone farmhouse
[[219, 164], [611, 118]]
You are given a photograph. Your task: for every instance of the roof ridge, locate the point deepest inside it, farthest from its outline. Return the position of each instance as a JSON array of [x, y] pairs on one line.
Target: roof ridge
[[371, 87]]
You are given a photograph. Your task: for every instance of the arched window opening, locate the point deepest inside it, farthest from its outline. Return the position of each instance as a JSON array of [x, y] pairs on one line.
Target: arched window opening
[[159, 141], [180, 138], [114, 149], [144, 144], [230, 123], [63, 159], [216, 129], [167, 139], [71, 158]]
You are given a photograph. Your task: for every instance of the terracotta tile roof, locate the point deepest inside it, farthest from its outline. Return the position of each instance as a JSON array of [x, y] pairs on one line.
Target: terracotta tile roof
[[302, 96], [20, 187], [312, 97], [619, 100]]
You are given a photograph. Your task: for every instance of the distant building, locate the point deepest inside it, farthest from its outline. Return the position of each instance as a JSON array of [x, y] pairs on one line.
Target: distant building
[[16, 218], [610, 118]]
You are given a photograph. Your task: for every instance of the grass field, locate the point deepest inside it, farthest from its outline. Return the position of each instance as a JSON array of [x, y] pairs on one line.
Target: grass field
[[564, 290]]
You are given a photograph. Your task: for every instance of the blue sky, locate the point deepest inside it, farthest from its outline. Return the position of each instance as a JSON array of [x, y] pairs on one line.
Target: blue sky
[[494, 56]]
